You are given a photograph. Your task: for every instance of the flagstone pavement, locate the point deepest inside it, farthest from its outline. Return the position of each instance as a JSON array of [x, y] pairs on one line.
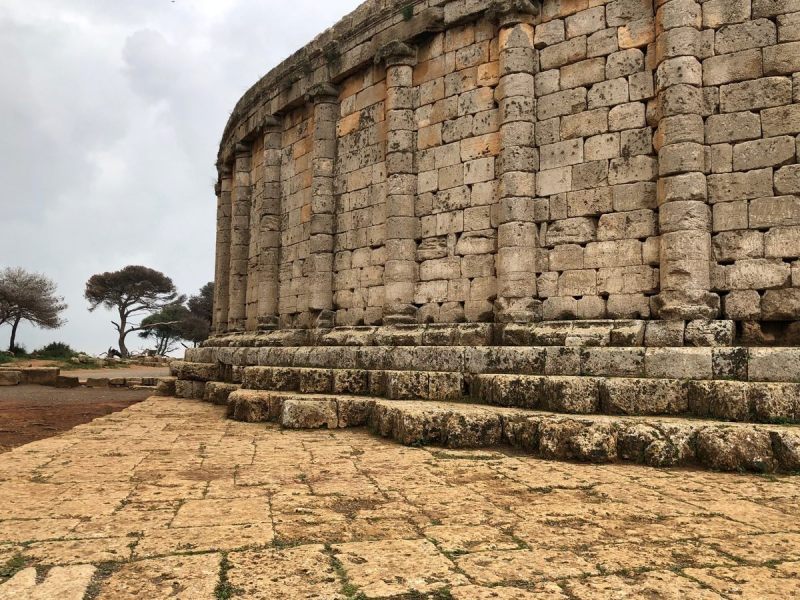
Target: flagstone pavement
[[168, 499]]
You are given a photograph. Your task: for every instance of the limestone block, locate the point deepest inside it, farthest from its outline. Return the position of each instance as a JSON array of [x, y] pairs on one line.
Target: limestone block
[[218, 392], [737, 66], [742, 36], [618, 253], [678, 363], [735, 245], [774, 211], [629, 333], [563, 53], [758, 273], [8, 377], [576, 230], [631, 169], [624, 63], [608, 93], [630, 115], [582, 73], [561, 154], [165, 386], [774, 364], [627, 280], [781, 120], [735, 448], [571, 394], [602, 43], [774, 402], [504, 359], [755, 94], [561, 103], [769, 152], [781, 242], [637, 33], [740, 186], [549, 33], [97, 382], [629, 396], [732, 127], [787, 180], [560, 307], [726, 400], [727, 216], [781, 304], [613, 362], [743, 305], [664, 445], [601, 147], [406, 385], [315, 381], [584, 124], [309, 414], [572, 439], [782, 59], [634, 196]]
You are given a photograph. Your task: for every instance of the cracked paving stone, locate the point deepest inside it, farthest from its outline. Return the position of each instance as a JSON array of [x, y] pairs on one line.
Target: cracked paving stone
[[392, 567], [64, 583], [179, 577]]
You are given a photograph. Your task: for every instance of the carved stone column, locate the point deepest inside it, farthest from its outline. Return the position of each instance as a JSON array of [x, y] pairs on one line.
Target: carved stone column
[[240, 240], [269, 227], [517, 164], [325, 98], [684, 215], [222, 262], [402, 225]]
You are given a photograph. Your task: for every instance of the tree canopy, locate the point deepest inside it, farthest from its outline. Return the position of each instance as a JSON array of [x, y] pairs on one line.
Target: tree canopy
[[29, 297], [131, 291], [176, 323]]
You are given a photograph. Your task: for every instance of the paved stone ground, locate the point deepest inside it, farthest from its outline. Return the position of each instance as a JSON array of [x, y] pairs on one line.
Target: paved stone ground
[[167, 499]]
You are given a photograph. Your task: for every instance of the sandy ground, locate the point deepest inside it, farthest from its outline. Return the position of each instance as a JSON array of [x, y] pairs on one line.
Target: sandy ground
[[168, 499], [33, 412]]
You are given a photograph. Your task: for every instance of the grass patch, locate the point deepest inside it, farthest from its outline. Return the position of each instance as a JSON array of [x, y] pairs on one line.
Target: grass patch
[[12, 566], [225, 589], [104, 571]]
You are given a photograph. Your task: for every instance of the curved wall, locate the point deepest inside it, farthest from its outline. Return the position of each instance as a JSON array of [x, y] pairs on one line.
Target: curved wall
[[509, 161]]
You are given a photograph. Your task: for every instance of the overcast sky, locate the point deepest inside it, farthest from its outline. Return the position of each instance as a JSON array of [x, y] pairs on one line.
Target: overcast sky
[[111, 113]]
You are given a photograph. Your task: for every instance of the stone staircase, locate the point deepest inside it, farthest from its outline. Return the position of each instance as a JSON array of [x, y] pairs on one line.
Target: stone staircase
[[720, 407]]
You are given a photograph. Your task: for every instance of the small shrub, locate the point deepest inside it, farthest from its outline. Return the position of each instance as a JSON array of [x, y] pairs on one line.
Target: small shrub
[[55, 350], [408, 12], [18, 350]]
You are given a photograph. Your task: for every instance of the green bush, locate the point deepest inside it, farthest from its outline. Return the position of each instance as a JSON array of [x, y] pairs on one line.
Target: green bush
[[18, 350], [55, 350], [5, 358]]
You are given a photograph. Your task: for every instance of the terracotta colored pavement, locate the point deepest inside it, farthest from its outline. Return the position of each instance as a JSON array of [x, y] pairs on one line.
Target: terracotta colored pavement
[[168, 499]]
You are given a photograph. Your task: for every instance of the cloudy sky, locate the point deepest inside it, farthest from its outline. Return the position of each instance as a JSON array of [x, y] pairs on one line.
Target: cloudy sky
[[110, 113]]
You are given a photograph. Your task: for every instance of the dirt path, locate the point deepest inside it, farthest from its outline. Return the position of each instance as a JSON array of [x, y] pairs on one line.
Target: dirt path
[[134, 371], [33, 412]]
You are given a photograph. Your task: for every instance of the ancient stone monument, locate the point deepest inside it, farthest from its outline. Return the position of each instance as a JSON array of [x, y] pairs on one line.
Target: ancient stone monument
[[570, 226]]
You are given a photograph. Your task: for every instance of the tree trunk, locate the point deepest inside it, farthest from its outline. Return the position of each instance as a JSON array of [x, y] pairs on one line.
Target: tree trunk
[[14, 334], [123, 323]]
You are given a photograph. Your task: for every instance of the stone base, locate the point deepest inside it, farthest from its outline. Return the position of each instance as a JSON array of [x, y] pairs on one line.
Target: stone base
[[594, 439]]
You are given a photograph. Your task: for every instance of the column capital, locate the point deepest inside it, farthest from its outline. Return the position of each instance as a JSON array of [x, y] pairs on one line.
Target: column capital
[[271, 122], [396, 53], [322, 92], [217, 189], [241, 150], [512, 12], [224, 170]]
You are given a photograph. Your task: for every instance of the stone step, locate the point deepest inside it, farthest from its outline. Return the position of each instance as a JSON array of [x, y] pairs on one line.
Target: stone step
[[654, 441], [584, 332], [756, 402], [737, 363], [753, 402]]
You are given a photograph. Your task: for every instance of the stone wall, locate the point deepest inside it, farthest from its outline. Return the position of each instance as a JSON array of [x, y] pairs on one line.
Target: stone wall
[[513, 161]]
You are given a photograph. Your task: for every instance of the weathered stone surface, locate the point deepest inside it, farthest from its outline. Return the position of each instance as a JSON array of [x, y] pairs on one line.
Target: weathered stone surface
[[9, 377], [627, 396], [735, 449]]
